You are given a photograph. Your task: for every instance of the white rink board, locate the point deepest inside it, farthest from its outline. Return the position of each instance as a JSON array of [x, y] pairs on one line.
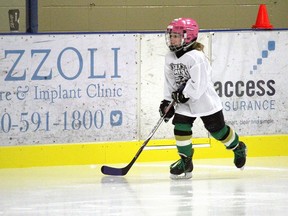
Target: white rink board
[[68, 88], [78, 88], [153, 51], [250, 74]]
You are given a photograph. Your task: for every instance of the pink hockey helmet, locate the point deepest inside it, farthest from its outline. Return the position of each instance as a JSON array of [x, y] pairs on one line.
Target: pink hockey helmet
[[187, 28]]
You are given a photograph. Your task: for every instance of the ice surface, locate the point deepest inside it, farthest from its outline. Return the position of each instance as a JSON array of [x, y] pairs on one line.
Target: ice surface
[[216, 188]]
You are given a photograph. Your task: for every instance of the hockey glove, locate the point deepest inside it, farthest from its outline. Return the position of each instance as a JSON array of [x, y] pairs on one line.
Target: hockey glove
[[178, 95], [163, 106]]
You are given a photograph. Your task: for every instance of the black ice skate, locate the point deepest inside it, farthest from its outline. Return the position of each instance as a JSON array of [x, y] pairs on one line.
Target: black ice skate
[[240, 153], [182, 169]]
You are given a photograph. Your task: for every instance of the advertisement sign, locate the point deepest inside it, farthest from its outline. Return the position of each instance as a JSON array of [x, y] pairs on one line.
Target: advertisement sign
[[68, 88], [250, 75], [79, 88]]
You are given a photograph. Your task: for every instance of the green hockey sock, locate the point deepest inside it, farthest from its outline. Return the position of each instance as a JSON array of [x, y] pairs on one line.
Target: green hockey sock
[[185, 150]]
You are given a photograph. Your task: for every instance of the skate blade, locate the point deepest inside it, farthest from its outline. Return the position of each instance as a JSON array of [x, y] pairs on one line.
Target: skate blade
[[182, 176], [242, 168]]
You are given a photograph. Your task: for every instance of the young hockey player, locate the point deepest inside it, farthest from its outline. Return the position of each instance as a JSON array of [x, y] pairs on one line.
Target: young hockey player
[[188, 81]]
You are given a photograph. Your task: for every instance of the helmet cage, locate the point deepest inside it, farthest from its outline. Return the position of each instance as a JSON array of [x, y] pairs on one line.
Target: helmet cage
[[174, 47]]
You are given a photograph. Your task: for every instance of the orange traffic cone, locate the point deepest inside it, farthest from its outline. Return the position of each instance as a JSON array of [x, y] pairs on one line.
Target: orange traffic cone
[[262, 21]]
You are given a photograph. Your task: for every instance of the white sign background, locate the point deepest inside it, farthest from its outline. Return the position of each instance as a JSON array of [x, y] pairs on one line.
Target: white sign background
[[250, 73], [68, 88]]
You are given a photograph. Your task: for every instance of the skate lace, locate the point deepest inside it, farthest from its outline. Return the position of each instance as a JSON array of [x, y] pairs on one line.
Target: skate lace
[[240, 152], [179, 164]]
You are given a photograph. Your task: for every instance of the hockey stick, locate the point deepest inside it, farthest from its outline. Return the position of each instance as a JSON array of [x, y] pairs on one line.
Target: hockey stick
[[107, 170]]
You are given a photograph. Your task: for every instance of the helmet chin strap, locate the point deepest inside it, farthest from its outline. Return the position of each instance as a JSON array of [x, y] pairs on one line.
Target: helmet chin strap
[[188, 46], [182, 47], [175, 49]]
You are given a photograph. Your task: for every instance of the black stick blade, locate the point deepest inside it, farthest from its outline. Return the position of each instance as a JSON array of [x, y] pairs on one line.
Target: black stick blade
[[112, 171]]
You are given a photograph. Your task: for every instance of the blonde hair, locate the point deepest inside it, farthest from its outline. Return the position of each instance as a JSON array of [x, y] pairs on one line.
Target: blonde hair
[[198, 46]]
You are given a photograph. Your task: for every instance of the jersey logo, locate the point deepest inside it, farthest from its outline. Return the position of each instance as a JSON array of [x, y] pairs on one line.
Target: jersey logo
[[180, 72]]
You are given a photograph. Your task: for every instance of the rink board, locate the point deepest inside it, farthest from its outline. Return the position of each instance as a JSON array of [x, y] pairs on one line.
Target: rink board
[[123, 152], [107, 86]]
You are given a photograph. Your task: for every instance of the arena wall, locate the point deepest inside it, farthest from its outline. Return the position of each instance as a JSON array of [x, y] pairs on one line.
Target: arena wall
[[138, 15]]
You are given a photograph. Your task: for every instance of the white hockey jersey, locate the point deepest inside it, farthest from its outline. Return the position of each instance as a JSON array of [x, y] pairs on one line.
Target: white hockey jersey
[[193, 68]]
